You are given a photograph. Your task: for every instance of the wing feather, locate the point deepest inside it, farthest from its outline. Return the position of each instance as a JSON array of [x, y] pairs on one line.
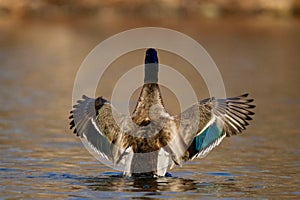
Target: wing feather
[[93, 122], [217, 118]]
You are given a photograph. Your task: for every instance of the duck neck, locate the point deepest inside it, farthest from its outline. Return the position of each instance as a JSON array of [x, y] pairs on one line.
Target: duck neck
[[151, 73], [150, 94]]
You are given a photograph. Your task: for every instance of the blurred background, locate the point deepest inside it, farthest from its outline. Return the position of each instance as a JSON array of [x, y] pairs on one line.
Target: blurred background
[[255, 45], [159, 8]]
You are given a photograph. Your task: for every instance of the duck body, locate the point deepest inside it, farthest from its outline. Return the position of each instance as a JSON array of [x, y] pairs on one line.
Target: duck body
[[150, 141]]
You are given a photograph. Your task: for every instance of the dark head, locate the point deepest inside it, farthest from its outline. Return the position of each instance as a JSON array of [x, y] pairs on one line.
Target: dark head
[[151, 56], [151, 66]]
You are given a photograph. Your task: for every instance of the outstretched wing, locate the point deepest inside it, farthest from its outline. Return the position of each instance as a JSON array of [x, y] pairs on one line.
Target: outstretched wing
[[94, 122], [229, 117], [205, 125]]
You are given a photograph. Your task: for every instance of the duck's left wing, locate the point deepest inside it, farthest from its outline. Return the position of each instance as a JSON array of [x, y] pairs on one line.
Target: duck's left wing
[[94, 122]]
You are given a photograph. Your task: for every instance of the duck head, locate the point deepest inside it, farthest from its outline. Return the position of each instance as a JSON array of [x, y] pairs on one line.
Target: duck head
[[151, 66], [151, 56]]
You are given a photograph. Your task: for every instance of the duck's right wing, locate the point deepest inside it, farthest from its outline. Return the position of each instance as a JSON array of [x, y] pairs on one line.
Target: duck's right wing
[[229, 117], [94, 121], [204, 125]]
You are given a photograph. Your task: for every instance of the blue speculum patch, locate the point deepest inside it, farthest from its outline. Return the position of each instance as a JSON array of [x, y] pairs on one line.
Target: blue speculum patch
[[208, 136]]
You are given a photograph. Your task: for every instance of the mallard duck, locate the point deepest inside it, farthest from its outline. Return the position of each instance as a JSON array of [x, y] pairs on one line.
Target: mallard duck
[[151, 141]]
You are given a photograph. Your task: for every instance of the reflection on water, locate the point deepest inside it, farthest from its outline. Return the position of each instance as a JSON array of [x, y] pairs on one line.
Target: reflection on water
[[110, 185], [154, 187], [41, 158], [124, 184]]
